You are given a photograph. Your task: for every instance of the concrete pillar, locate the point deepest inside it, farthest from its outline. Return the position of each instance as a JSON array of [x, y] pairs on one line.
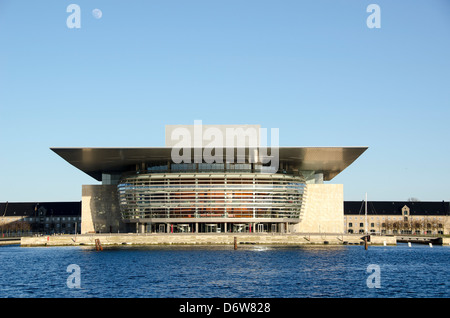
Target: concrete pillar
[[140, 227], [196, 227], [318, 178]]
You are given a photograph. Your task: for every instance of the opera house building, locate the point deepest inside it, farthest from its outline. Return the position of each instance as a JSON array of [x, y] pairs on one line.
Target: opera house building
[[148, 190]]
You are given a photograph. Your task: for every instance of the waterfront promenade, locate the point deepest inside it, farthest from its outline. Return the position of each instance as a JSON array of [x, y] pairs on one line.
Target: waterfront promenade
[[206, 239]]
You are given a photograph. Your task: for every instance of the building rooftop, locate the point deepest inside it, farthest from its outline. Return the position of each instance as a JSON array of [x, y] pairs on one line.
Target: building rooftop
[[95, 161], [395, 208], [30, 209]]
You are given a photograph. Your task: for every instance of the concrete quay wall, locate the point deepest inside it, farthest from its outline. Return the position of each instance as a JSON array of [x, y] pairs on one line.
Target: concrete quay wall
[[446, 241], [202, 239], [10, 241]]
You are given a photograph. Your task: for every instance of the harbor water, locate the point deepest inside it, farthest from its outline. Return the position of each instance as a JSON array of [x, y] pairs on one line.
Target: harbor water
[[252, 271]]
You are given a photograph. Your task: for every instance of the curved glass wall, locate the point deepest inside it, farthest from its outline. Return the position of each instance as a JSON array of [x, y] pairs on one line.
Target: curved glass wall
[[205, 195]]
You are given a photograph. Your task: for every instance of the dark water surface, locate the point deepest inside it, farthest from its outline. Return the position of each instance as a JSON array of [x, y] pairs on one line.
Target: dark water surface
[[249, 272]]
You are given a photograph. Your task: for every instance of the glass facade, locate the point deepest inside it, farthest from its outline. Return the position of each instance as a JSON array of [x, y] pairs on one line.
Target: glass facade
[[206, 167], [201, 196]]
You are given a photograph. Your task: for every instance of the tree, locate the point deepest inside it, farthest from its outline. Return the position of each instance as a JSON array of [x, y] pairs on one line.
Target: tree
[[417, 225]]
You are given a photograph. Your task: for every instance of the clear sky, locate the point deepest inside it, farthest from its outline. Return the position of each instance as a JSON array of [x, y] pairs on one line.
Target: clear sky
[[313, 69]]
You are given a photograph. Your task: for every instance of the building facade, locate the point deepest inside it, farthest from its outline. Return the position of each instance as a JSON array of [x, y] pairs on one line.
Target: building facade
[[400, 217], [149, 196], [29, 218], [323, 200], [147, 190]]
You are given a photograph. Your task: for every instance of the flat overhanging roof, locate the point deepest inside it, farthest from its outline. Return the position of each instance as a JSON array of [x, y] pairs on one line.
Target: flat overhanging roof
[[96, 161]]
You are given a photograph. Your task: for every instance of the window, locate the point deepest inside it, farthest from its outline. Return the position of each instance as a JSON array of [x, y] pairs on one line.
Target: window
[[372, 224], [350, 224], [361, 224]]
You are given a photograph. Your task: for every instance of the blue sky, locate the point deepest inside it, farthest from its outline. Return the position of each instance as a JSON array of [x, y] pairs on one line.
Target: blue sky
[[313, 69]]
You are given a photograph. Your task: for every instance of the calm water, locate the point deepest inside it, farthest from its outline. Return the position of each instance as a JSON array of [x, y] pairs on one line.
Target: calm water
[[249, 272]]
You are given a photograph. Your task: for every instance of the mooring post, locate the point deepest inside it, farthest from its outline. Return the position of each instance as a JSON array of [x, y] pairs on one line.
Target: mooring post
[[365, 242], [235, 243], [98, 245]]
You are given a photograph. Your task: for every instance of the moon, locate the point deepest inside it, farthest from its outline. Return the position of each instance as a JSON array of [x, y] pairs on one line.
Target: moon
[[97, 13]]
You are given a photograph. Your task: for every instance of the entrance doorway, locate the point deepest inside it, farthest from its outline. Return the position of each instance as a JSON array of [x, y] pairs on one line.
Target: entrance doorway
[[260, 227], [212, 228], [239, 228], [184, 228], [274, 228]]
